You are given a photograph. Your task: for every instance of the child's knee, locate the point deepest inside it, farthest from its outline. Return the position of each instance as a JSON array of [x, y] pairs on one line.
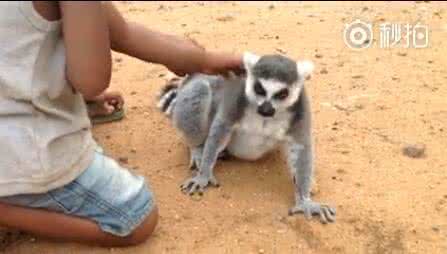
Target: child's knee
[[145, 230]]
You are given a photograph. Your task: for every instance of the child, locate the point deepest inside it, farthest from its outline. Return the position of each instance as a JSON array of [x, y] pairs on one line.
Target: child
[[54, 180]]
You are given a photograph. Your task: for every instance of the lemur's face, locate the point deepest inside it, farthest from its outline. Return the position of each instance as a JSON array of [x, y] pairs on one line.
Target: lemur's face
[[274, 82]]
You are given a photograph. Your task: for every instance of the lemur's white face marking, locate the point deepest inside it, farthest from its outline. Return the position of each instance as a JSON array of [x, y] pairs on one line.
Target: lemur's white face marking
[[274, 83]]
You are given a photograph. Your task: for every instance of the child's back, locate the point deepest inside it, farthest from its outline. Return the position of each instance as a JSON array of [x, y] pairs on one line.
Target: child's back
[[45, 138]]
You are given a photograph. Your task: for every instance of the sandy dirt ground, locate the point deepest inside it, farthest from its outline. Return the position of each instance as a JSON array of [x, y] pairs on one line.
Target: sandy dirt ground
[[366, 106]]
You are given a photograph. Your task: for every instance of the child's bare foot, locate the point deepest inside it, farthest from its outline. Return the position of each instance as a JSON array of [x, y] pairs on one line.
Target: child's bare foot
[[106, 107]]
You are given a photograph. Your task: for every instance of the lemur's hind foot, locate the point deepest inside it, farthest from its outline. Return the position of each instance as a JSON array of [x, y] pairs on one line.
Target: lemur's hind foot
[[310, 208]]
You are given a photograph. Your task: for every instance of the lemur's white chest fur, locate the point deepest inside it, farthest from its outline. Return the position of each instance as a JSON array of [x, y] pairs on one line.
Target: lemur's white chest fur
[[256, 135]]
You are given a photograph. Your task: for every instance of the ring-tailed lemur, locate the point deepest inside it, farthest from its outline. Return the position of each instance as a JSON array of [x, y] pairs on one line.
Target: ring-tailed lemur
[[248, 117]]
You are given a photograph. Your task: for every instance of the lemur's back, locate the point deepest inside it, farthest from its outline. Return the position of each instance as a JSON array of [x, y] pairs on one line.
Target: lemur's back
[[223, 93], [194, 102]]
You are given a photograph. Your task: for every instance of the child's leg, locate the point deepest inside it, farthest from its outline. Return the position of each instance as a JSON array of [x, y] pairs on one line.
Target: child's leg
[[106, 205], [58, 226]]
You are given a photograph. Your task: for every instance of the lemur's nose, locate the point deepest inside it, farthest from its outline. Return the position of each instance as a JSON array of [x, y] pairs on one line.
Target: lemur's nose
[[266, 109]]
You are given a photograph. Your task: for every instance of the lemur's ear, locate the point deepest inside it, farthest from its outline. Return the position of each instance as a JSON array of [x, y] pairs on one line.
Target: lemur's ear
[[250, 60], [305, 68]]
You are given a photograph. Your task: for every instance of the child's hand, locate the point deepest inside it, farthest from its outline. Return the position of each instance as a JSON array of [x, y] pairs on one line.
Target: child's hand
[[219, 62], [222, 63], [212, 63], [193, 58]]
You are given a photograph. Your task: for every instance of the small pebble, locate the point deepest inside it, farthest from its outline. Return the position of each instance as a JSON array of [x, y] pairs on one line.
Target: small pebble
[[282, 219], [281, 231], [414, 150], [280, 50], [133, 150], [324, 71], [225, 18], [261, 251], [341, 171], [318, 56], [226, 196], [196, 197], [124, 160]]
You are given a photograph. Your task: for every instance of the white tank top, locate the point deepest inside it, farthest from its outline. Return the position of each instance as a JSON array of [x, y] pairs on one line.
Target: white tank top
[[45, 132]]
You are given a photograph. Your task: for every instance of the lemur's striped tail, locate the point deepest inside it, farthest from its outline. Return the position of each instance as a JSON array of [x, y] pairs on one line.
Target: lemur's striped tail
[[168, 95]]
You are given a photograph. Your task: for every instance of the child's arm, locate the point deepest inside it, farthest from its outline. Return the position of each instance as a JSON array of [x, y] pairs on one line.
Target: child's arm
[[92, 29], [177, 54], [87, 44]]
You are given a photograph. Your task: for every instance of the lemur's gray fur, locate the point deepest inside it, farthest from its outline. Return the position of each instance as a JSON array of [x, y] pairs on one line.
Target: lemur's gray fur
[[248, 117]]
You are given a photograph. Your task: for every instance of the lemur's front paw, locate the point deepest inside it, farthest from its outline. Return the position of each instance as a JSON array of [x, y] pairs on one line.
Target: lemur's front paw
[[195, 162], [197, 184], [309, 208]]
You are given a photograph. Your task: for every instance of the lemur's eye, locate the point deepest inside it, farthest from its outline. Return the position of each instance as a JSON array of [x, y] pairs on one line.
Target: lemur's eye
[[259, 90], [281, 95]]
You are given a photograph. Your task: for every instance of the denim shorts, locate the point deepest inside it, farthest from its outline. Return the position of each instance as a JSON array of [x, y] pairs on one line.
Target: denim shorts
[[117, 200]]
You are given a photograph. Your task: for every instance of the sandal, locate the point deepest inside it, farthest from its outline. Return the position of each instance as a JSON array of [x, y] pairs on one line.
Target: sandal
[[116, 115]]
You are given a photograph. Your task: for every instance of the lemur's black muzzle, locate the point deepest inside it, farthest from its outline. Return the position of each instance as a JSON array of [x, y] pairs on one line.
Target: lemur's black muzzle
[[266, 109]]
